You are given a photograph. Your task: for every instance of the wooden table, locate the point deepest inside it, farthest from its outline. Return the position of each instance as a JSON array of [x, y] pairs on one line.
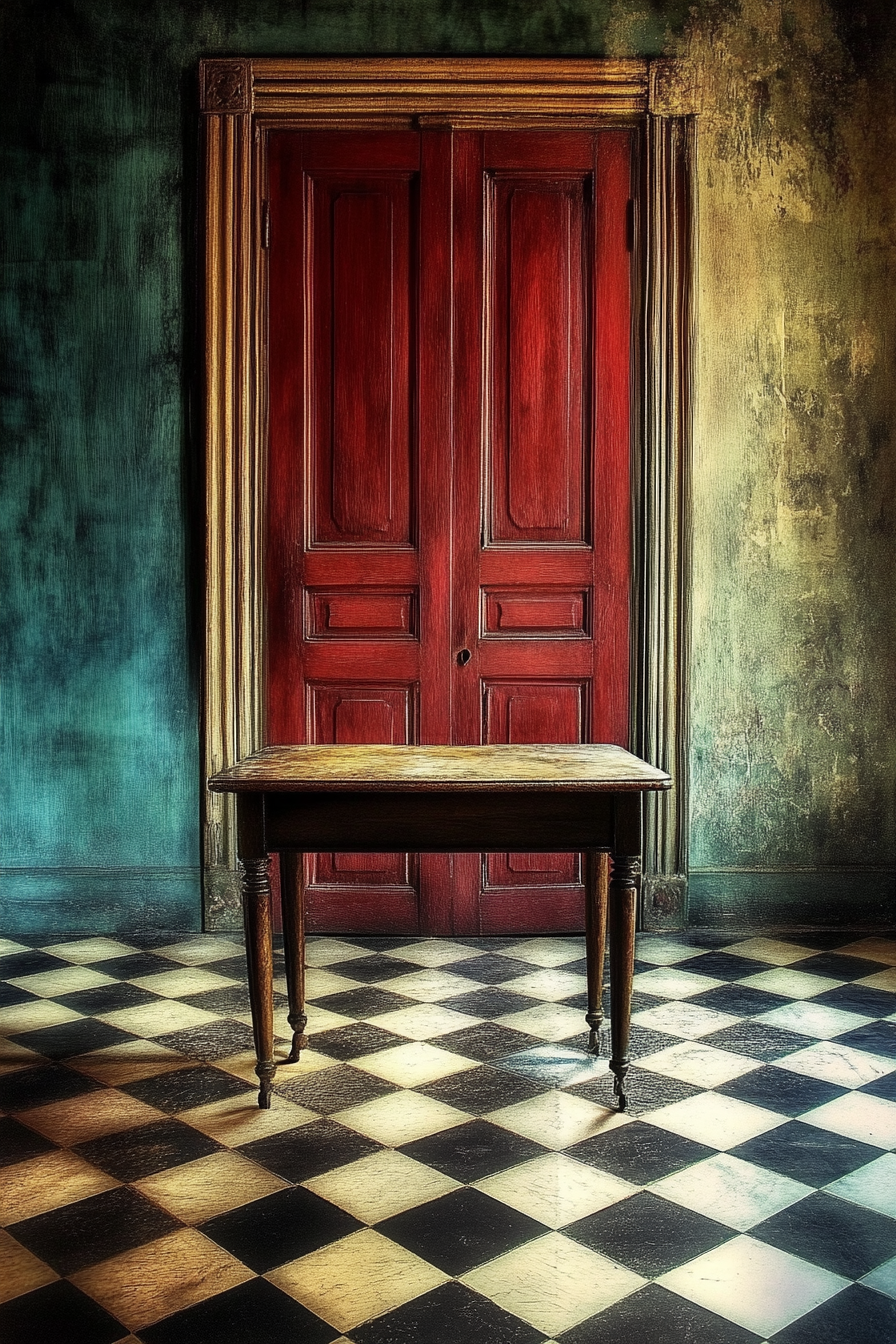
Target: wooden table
[[388, 799]]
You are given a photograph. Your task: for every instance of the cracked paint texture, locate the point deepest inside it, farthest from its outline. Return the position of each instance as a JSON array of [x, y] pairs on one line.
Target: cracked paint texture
[[791, 688]]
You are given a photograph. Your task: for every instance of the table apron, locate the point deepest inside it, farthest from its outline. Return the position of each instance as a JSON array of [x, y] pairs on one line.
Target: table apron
[[452, 821]]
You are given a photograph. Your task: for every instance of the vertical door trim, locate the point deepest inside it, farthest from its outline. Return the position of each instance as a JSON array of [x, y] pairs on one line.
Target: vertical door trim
[[663, 495], [239, 97]]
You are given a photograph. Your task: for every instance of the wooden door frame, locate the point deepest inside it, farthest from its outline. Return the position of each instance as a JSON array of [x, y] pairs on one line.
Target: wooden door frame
[[239, 99]]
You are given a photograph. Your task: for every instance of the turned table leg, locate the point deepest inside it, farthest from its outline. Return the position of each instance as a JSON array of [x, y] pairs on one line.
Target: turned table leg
[[623, 904], [292, 900], [597, 871], [256, 891]]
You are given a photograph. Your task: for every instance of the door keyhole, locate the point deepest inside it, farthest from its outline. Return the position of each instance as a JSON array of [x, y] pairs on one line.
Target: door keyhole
[[464, 656]]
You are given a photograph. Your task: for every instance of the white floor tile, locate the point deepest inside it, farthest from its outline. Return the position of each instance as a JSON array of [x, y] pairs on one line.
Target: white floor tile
[[856, 1115], [547, 951], [558, 1119], [669, 983], [793, 984], [553, 1283], [872, 1186], [694, 1062], [771, 950], [433, 952], [682, 1018], [555, 1189], [736, 1193], [837, 1063], [754, 1285], [882, 1279], [665, 951], [812, 1019], [718, 1121]]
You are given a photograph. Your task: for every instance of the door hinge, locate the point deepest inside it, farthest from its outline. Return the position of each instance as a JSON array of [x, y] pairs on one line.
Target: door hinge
[[265, 224], [630, 225]]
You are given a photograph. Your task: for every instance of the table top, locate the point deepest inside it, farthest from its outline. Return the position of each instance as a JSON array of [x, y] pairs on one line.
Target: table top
[[600, 769]]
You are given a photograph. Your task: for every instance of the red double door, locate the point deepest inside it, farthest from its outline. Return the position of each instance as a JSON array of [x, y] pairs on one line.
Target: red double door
[[449, 550]]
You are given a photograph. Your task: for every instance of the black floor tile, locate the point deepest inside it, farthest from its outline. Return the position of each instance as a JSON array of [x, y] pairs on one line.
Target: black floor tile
[[107, 998], [354, 1040], [235, 967], [366, 1002], [72, 1038], [377, 942], [231, 1001], [57, 1314], [135, 965], [644, 1041], [18, 1143], [483, 1089], [806, 1153], [824, 940], [461, 1230], [491, 942], [490, 1003], [182, 1089], [487, 1041], [82, 1234], [17, 964], [741, 1000], [474, 1150], [758, 1040], [882, 1087], [655, 1314], [710, 937], [370, 970], [254, 1313], [855, 1316], [859, 999], [640, 1152], [490, 969], [11, 995], [720, 965], [143, 1151], [878, 1038], [211, 1041], [452, 1314], [149, 939], [24, 1089], [328, 1090], [831, 1232], [299, 1154], [645, 1091], [648, 1234], [641, 1000], [838, 967], [281, 1227], [780, 1090]]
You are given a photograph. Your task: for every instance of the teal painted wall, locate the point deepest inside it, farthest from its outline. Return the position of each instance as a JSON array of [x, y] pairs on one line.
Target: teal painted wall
[[791, 695]]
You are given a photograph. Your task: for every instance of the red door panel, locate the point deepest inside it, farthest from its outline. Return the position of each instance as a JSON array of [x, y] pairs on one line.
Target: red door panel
[[543, 542], [538, 356], [449, 357]]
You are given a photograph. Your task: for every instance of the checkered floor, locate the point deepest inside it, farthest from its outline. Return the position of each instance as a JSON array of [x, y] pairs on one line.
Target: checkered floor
[[444, 1164]]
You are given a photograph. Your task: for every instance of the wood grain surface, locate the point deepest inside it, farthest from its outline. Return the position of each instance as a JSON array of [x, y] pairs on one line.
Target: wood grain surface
[[601, 768]]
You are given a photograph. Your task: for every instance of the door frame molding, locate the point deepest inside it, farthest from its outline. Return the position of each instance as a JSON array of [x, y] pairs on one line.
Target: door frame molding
[[239, 98]]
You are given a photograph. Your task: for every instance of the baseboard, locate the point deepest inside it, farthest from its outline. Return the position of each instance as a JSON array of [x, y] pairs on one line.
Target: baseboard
[[100, 900], [796, 898]]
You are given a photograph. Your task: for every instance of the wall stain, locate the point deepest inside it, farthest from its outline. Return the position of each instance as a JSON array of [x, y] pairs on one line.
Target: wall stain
[[792, 700]]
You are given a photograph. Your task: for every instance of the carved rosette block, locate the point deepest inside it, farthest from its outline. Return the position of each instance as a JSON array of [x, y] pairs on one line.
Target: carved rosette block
[[225, 86], [673, 89]]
